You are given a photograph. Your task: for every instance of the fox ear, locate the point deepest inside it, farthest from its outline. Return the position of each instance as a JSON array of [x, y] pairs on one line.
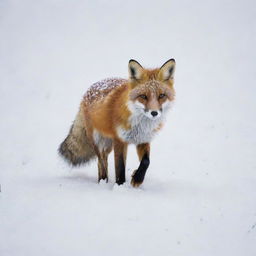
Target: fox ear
[[167, 70], [135, 70]]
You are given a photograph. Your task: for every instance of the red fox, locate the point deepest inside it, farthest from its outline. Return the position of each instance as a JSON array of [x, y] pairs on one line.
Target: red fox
[[116, 112]]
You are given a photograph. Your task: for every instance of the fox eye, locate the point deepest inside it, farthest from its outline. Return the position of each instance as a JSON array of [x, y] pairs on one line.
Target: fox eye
[[162, 95], [143, 96]]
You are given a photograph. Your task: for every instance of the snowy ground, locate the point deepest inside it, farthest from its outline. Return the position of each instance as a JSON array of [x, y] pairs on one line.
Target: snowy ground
[[199, 196]]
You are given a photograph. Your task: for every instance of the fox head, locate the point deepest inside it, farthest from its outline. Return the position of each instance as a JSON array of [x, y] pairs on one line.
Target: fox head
[[151, 90]]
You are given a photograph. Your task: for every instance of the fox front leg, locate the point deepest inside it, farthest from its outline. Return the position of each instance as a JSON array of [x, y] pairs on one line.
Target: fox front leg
[[120, 151], [139, 174]]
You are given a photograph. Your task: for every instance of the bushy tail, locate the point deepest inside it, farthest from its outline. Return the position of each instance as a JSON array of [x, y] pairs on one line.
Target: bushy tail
[[76, 148]]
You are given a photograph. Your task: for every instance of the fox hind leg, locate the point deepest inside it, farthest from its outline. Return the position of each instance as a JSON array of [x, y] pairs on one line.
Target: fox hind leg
[[103, 165], [102, 148]]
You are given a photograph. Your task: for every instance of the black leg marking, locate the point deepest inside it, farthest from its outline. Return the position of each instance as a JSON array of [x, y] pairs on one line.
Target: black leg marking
[[139, 174], [120, 150], [120, 171]]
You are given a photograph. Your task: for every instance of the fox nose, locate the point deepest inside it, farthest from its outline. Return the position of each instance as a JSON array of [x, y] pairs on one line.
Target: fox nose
[[154, 113]]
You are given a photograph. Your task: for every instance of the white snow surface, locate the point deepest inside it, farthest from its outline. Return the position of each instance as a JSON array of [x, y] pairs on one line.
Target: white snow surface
[[199, 194]]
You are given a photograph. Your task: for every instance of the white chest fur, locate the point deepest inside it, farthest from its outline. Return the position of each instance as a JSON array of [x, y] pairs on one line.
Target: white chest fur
[[142, 129]]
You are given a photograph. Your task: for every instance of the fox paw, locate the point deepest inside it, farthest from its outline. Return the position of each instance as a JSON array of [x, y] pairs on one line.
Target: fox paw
[[135, 184], [136, 180], [103, 180]]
